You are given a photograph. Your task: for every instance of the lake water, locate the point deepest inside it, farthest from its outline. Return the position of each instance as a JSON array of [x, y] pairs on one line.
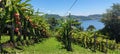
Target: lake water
[[97, 24]]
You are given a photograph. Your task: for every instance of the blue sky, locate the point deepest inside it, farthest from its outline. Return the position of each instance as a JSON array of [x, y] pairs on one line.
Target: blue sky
[[82, 7]]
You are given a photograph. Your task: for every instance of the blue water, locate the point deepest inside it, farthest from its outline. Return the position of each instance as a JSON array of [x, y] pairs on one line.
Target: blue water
[[97, 24]]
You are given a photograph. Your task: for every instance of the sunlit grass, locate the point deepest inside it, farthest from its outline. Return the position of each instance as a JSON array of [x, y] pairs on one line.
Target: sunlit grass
[[52, 46], [4, 38]]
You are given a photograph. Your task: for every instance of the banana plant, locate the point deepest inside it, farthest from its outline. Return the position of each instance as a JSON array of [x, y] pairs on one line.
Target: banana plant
[[14, 10], [25, 12], [65, 33], [1, 17], [42, 25], [9, 14]]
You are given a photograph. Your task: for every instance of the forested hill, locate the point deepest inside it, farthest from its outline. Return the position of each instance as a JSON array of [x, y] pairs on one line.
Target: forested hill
[[89, 17]]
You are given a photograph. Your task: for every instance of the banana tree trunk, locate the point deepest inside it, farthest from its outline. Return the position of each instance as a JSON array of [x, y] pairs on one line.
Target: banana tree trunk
[[0, 37], [64, 38], [12, 27], [94, 43], [19, 33], [25, 30], [68, 35], [29, 33]]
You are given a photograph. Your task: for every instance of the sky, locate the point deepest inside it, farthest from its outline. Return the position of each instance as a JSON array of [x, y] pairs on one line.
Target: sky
[[82, 7]]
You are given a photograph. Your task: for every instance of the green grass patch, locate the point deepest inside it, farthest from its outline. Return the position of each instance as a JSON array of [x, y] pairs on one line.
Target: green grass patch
[[4, 38], [52, 46]]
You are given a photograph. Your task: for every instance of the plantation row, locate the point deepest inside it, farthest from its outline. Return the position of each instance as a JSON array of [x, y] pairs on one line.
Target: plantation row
[[68, 33], [86, 39], [21, 23], [94, 41], [17, 18]]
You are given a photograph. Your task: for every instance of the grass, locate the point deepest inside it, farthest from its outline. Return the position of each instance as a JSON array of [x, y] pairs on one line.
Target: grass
[[4, 38], [52, 46]]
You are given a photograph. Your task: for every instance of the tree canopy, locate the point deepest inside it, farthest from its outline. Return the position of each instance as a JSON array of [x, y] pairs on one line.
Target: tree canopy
[[111, 19]]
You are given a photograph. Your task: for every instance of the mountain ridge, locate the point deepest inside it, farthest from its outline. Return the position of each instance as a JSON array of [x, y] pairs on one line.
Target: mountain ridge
[[89, 17]]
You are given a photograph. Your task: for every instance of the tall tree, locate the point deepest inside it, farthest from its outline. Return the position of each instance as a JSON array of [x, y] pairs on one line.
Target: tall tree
[[111, 19]]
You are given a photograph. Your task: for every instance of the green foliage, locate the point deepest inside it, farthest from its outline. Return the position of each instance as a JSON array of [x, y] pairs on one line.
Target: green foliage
[[53, 22], [67, 30], [4, 38], [42, 25], [87, 40], [30, 21], [64, 31], [55, 48], [65, 35], [91, 28], [111, 19]]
